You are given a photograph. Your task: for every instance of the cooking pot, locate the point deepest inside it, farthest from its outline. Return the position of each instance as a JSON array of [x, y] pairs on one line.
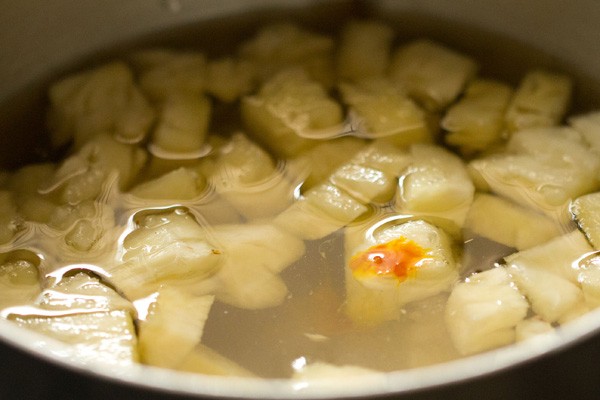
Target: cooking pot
[[41, 40]]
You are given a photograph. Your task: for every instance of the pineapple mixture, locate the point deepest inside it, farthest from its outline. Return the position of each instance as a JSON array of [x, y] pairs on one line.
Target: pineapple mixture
[[323, 204]]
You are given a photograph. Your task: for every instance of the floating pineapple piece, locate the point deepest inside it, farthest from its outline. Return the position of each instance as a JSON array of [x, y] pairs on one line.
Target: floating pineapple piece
[[482, 312], [104, 99], [503, 221], [173, 327], [322, 210], [288, 106], [182, 127], [181, 184], [541, 100], [254, 256], [392, 263], [165, 72], [545, 274], [532, 327], [282, 45], [378, 109], [167, 247], [476, 121], [246, 176], [106, 337], [435, 184], [588, 278], [19, 278], [25, 184], [543, 168], [431, 73], [364, 50], [81, 176], [589, 127]]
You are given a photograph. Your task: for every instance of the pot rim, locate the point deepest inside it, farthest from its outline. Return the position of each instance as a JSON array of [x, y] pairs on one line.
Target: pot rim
[[401, 382]]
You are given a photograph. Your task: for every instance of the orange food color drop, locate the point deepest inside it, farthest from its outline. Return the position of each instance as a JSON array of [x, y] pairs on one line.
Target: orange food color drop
[[397, 258]]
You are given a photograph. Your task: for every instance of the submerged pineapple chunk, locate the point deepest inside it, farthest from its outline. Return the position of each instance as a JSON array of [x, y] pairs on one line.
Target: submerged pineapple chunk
[[182, 127], [166, 72], [172, 327], [181, 183], [541, 100], [547, 276], [586, 213], [228, 79], [394, 265], [364, 50], [589, 127], [254, 255], [10, 221], [483, 311], [503, 221], [476, 121], [431, 73], [543, 169], [380, 110], [288, 106], [203, 360], [19, 278], [103, 100], [282, 45], [322, 210]]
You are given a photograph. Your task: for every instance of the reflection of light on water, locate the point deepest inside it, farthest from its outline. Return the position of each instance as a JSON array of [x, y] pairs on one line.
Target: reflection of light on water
[[299, 363]]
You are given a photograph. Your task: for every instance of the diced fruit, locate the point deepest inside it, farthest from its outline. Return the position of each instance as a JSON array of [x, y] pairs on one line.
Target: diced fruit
[[173, 327], [380, 110], [394, 265], [541, 100], [19, 278], [181, 184], [531, 328], [502, 221], [364, 50], [483, 311], [476, 121], [431, 73], [228, 79], [322, 210], [586, 213], [287, 107], [103, 100]]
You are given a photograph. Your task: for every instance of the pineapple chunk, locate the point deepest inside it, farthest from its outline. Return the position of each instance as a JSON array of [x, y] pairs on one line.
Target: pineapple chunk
[[19, 278], [391, 265], [25, 184], [531, 328], [166, 72], [586, 213], [182, 127], [288, 106], [588, 277], [589, 127], [181, 184], [81, 176], [168, 247], [172, 327], [380, 110], [103, 100], [431, 73], [106, 337], [283, 45], [476, 121], [319, 162], [246, 176], [322, 210], [482, 312], [543, 168], [547, 276], [541, 100], [364, 50], [435, 184], [508, 223], [228, 79], [254, 256]]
